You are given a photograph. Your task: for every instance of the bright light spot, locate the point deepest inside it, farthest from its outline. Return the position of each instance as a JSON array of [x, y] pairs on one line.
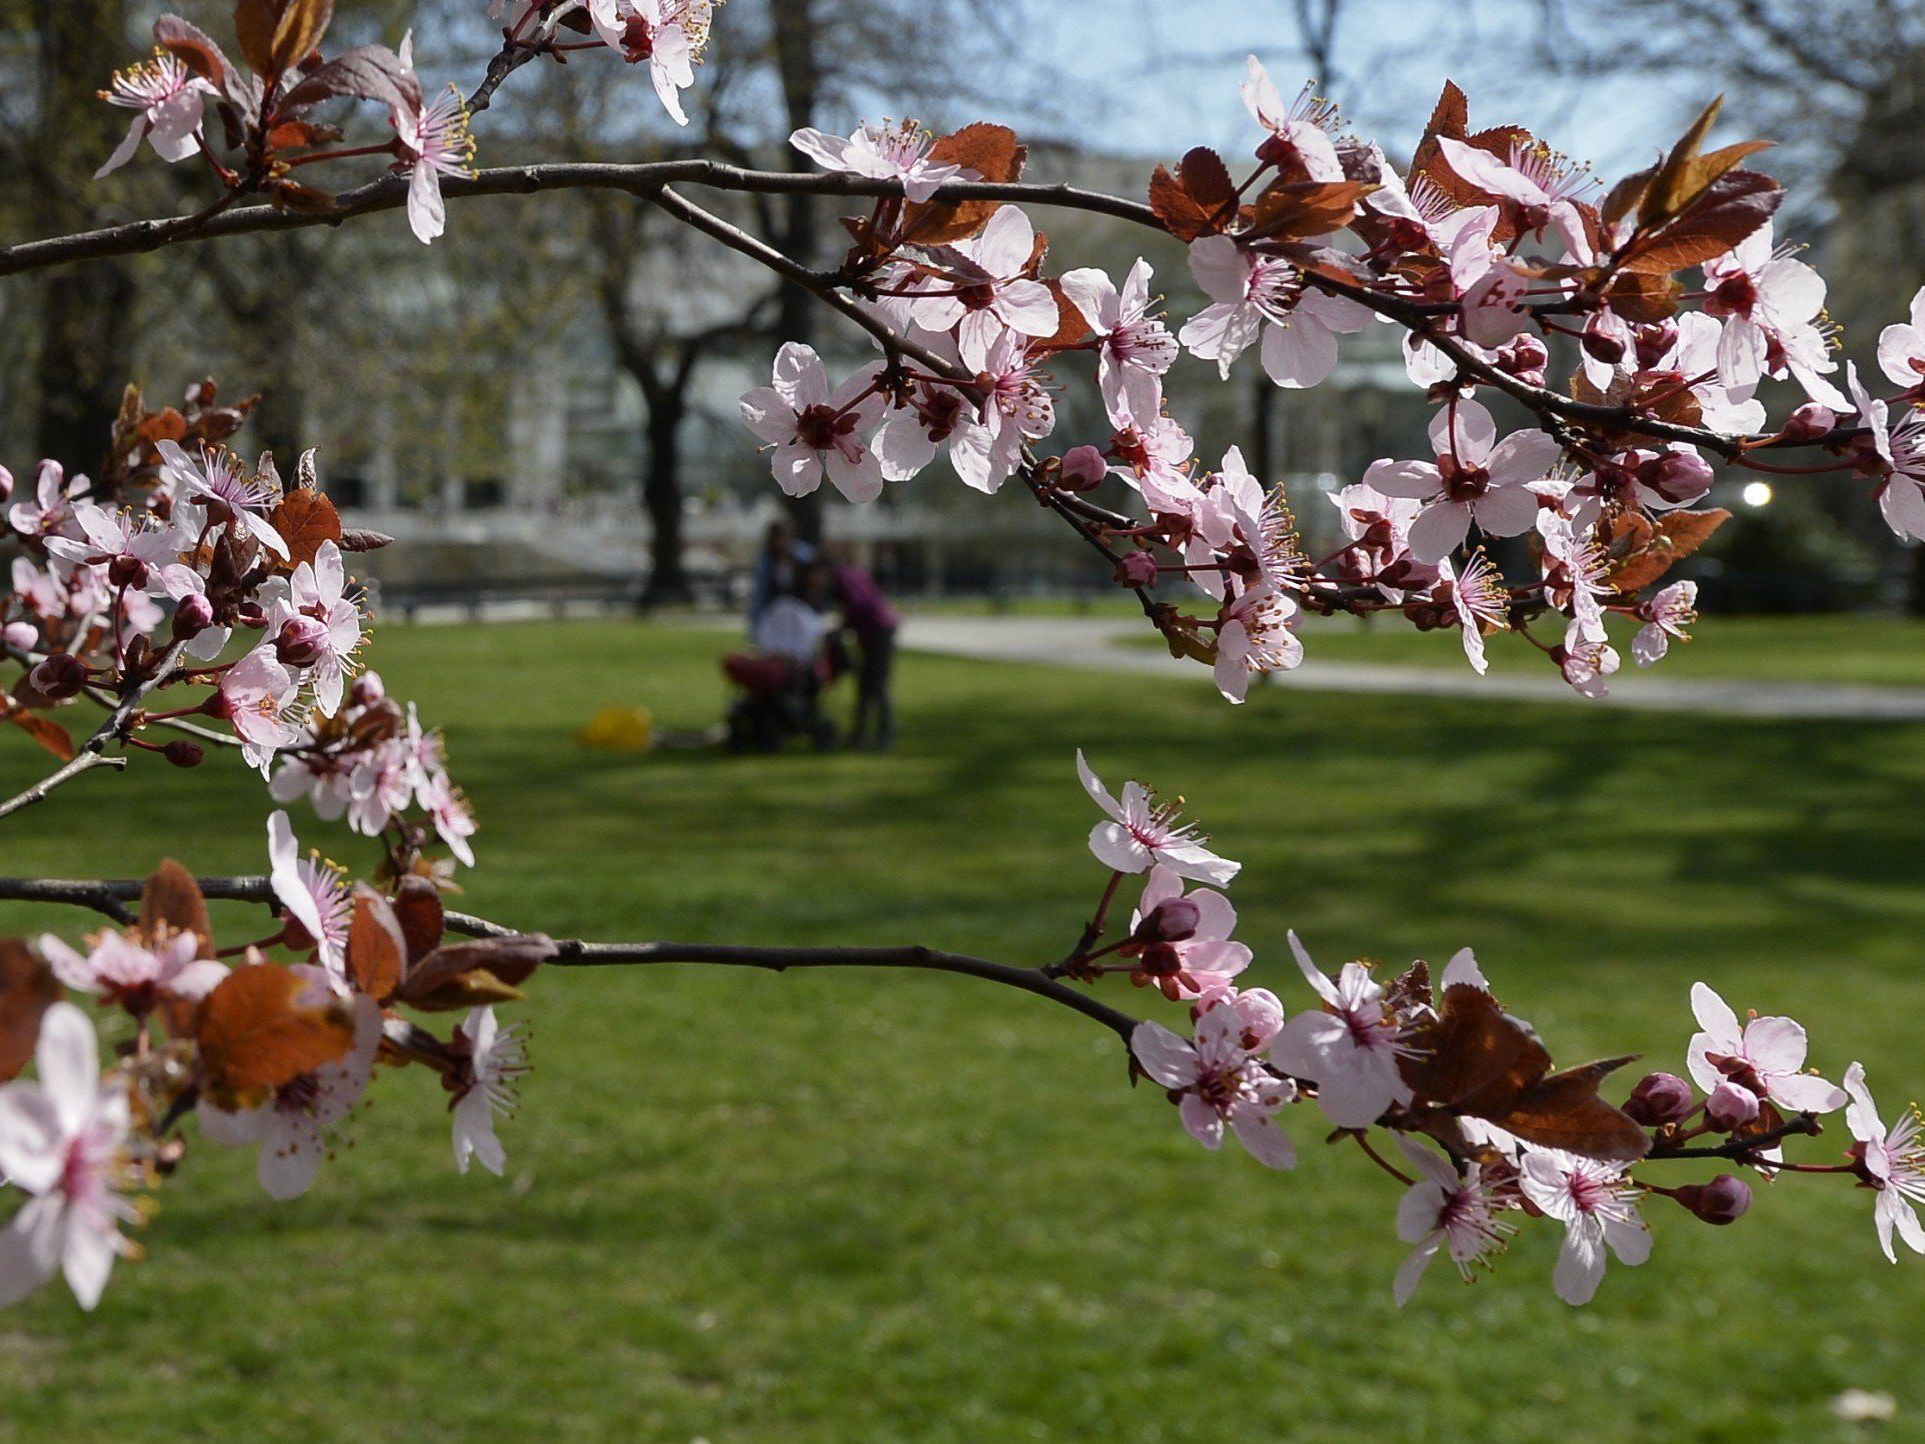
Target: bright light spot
[[1757, 493]]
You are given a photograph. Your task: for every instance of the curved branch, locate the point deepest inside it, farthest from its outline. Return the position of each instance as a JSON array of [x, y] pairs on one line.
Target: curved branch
[[108, 895], [91, 753], [640, 179]]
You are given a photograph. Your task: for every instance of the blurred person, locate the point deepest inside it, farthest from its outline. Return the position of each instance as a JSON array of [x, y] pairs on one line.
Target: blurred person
[[868, 617], [778, 568]]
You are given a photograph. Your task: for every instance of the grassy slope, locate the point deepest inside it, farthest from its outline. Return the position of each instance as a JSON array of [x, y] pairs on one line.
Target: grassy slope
[[833, 1208]]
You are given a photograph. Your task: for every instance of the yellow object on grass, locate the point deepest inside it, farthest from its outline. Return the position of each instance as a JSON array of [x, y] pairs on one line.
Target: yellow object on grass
[[619, 729]]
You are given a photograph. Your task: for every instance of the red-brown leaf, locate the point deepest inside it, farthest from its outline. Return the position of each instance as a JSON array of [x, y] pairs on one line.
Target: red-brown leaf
[[377, 952], [44, 730], [171, 896], [466, 975], [254, 1036], [305, 519], [995, 154], [27, 987]]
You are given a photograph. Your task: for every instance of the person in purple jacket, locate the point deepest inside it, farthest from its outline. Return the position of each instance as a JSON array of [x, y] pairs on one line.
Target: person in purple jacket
[[867, 614]]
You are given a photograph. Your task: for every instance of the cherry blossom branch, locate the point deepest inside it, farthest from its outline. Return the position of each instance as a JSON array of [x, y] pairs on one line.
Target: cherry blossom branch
[[108, 896], [1742, 1149], [92, 752], [640, 179]]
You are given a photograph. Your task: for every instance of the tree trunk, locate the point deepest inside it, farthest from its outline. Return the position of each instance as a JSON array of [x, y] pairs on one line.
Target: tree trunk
[[799, 224], [662, 497], [84, 310]]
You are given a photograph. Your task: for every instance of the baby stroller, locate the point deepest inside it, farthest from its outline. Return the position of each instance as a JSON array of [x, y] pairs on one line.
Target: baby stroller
[[781, 681]]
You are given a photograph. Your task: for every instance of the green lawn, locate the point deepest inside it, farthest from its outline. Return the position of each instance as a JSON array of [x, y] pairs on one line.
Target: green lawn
[[1886, 651], [822, 1208]]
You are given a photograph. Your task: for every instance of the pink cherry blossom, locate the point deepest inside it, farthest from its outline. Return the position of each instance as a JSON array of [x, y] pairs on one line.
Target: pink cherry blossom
[[1540, 185], [1765, 1057], [1474, 477], [1134, 348], [1256, 296], [815, 430], [1575, 572], [51, 512], [453, 819], [133, 973], [1586, 659], [1768, 302], [295, 1129], [434, 141], [170, 99], [215, 485], [1673, 609], [138, 551], [257, 695], [1255, 638], [1901, 348], [1181, 941], [314, 893], [1892, 1161], [1900, 449], [492, 1058], [316, 593], [1143, 832], [883, 152], [987, 446], [1597, 1207], [668, 34], [1445, 1210], [1214, 1080], [1479, 599], [1299, 131], [1350, 1049], [62, 1141], [985, 290]]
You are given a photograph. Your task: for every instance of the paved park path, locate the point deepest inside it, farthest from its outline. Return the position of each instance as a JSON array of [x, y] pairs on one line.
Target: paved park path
[[1098, 643]]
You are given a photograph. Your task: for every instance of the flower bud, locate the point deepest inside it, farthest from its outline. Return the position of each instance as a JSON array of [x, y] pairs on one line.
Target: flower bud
[[1723, 1200], [194, 615], [1809, 422], [1138, 569], [126, 571], [300, 642], [1083, 469], [58, 677], [183, 753], [250, 614], [1600, 344], [1678, 476], [1174, 920], [20, 635], [367, 690], [1654, 341], [1658, 1099], [1731, 1105]]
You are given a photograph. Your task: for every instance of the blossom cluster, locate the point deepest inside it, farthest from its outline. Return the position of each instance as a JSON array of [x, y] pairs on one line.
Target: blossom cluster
[[274, 1050], [1493, 1137], [185, 574], [1488, 251]]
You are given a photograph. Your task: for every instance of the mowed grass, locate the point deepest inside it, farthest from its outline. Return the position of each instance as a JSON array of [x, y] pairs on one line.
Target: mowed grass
[[845, 1207]]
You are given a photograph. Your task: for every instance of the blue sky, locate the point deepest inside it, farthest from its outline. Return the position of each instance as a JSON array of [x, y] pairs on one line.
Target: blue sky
[[1157, 76]]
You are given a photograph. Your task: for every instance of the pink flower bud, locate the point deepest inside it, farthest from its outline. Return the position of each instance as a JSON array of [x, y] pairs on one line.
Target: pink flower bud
[[251, 614], [1723, 1200], [1658, 1099], [1678, 476], [1600, 344], [58, 677], [1654, 340], [1174, 920], [1138, 569], [1731, 1105], [367, 690], [183, 753], [1810, 421], [20, 636], [301, 642], [126, 571], [1083, 469], [194, 615]]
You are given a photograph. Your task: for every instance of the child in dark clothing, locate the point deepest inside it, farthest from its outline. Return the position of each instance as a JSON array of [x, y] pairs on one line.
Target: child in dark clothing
[[867, 614]]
